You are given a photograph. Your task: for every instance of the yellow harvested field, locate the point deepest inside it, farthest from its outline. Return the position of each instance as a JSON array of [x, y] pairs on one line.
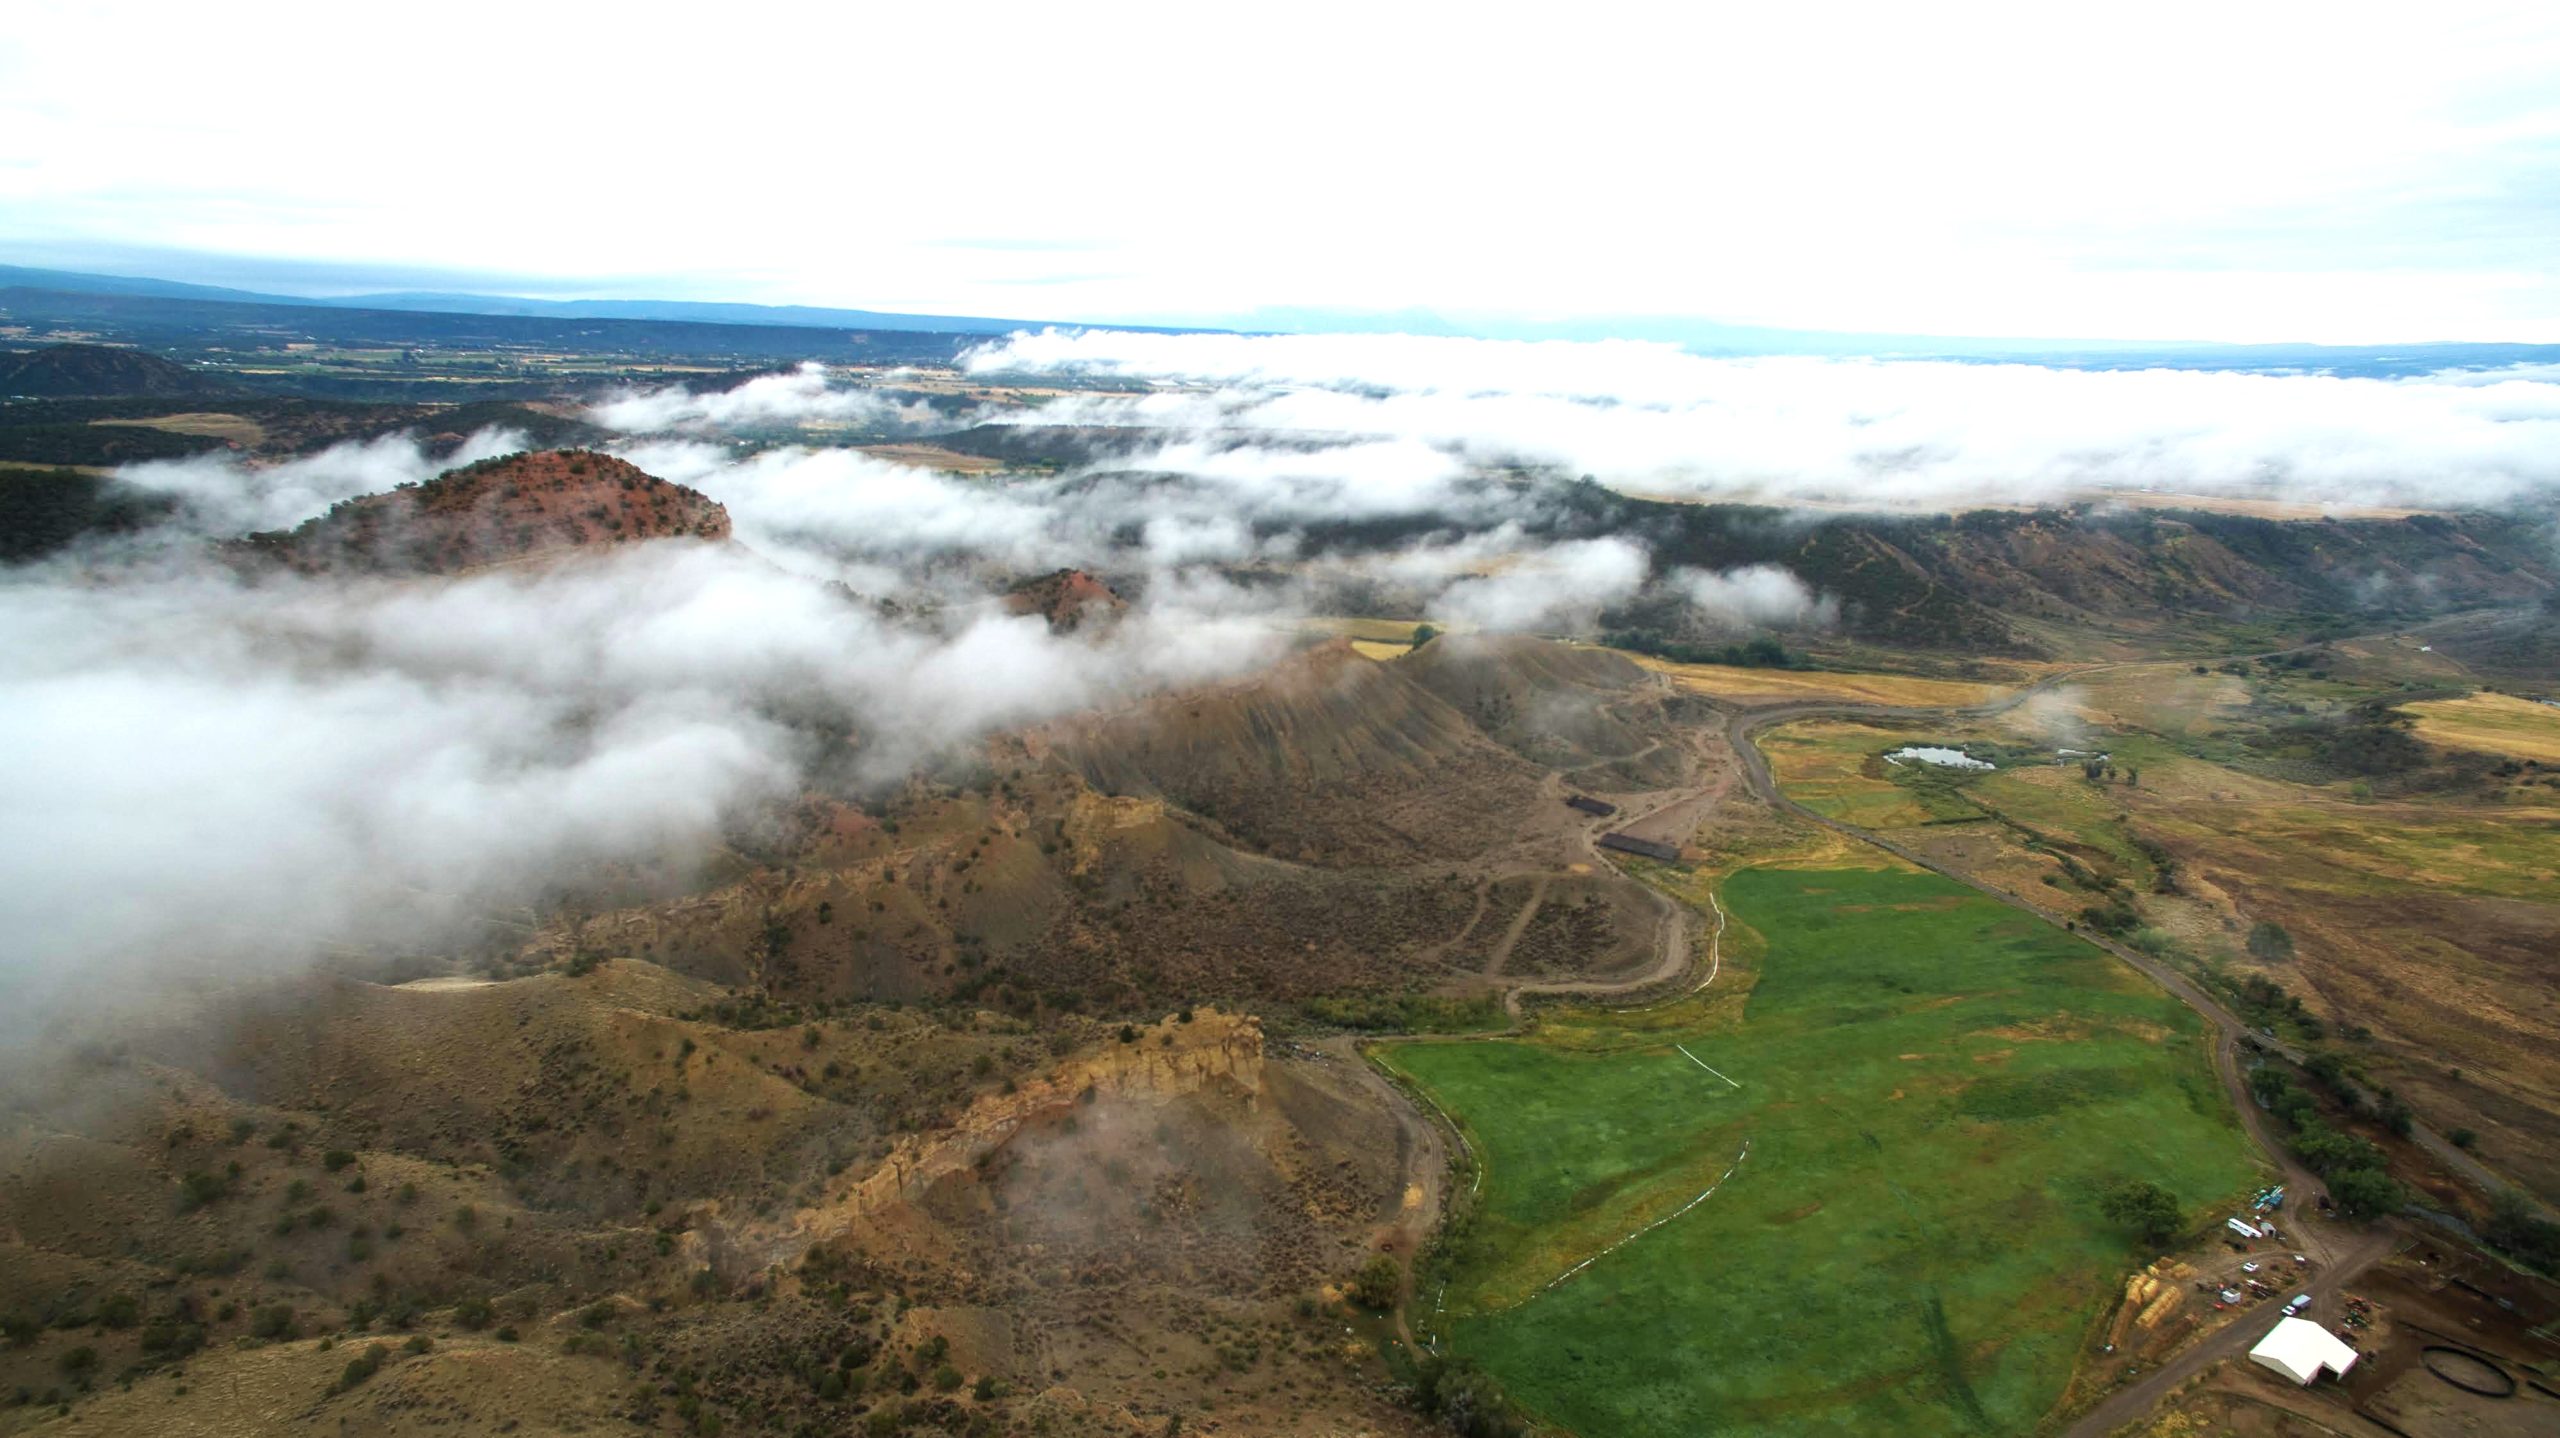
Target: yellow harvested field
[[2163, 698], [237, 429], [929, 456], [31, 465], [1731, 681], [1380, 631], [1382, 648], [1829, 767], [2499, 724]]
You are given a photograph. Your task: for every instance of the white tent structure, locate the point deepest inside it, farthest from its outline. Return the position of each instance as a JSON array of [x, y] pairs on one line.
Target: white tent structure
[[2302, 1350]]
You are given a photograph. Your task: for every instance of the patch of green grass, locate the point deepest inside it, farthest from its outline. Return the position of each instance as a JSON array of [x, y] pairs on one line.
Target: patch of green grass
[[1934, 1089]]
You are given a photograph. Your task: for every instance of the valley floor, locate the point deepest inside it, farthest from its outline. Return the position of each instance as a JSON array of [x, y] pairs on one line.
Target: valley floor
[[1849, 1188]]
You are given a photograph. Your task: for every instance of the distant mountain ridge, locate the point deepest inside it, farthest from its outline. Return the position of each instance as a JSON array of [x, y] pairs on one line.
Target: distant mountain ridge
[[441, 302], [93, 371], [1697, 335]]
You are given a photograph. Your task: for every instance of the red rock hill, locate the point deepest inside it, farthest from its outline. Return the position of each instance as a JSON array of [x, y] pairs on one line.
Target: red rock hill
[[499, 511], [1065, 598]]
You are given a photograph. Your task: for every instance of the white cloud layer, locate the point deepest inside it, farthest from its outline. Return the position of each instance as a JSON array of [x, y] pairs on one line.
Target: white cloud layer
[[1563, 587], [802, 396], [222, 496], [1652, 419], [221, 775], [1755, 595]]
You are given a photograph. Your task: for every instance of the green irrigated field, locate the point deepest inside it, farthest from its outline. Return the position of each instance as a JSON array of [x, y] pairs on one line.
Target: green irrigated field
[[1934, 1090]]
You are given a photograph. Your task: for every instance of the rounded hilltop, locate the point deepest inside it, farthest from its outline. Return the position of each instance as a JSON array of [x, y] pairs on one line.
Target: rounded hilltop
[[499, 511], [1066, 598]]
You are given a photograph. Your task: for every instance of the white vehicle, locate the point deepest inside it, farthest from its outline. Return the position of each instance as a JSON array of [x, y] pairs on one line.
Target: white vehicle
[[2249, 1267], [2301, 1262], [2296, 1304]]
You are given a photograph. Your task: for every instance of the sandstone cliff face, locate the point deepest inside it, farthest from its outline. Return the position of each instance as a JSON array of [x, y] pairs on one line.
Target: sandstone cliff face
[[1094, 819], [1215, 1053]]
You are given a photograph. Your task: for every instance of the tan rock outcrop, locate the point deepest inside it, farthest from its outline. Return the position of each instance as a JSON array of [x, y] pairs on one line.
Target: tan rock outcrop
[[1171, 1060]]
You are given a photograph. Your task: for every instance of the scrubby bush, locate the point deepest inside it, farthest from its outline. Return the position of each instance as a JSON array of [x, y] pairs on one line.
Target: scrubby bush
[[199, 1189], [1374, 1286], [363, 1366], [1465, 1399]]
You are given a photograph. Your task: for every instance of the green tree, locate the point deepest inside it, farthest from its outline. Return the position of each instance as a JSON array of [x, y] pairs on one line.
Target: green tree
[[2269, 942], [1424, 634], [2395, 1115], [2145, 1207], [2366, 1193], [2270, 1084], [2515, 1226]]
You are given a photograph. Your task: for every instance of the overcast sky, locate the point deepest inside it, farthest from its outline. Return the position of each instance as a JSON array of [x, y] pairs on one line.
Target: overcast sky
[[2327, 172]]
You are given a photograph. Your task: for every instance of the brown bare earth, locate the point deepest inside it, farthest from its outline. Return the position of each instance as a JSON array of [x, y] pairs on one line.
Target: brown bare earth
[[665, 1211], [1333, 825]]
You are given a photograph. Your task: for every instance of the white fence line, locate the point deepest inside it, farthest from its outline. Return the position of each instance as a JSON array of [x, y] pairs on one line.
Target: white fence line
[[1657, 1223], [1702, 1063]]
